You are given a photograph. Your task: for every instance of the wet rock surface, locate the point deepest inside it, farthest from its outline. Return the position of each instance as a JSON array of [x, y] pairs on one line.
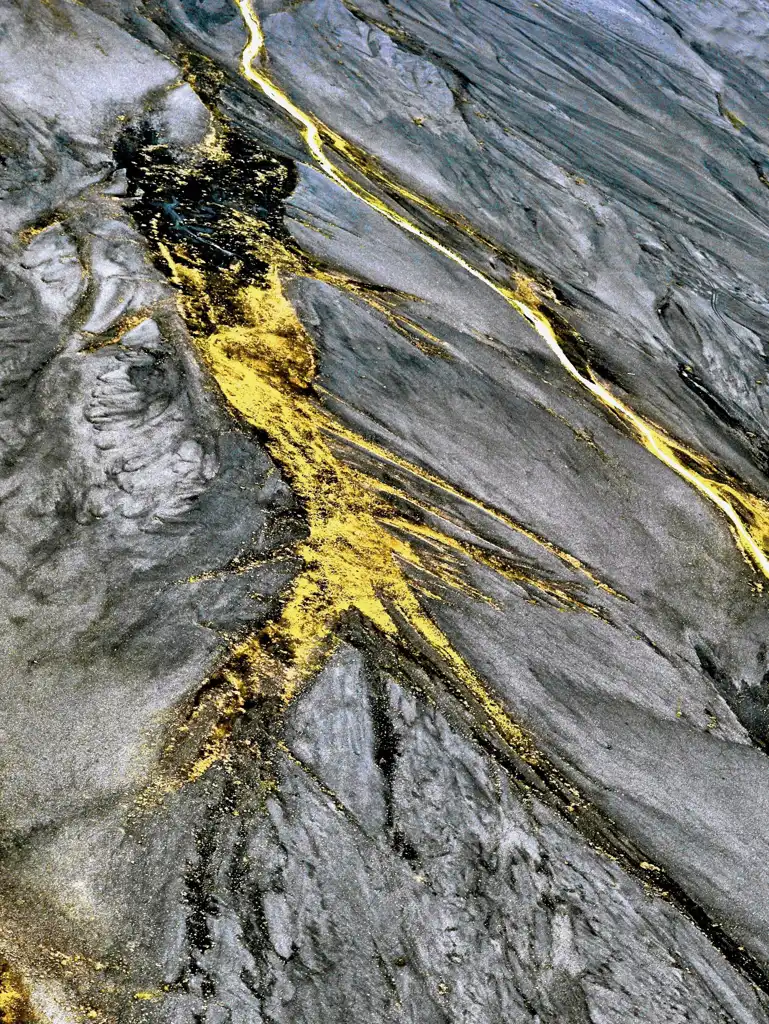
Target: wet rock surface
[[544, 797]]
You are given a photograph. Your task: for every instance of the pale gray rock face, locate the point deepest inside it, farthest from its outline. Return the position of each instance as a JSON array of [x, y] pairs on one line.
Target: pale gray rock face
[[374, 850]]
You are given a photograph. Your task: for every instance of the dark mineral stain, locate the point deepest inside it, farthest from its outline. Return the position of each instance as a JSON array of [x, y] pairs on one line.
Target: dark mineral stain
[[195, 204], [750, 703]]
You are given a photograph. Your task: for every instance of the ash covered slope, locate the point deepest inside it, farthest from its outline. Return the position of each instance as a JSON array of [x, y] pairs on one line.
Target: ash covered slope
[[378, 849]]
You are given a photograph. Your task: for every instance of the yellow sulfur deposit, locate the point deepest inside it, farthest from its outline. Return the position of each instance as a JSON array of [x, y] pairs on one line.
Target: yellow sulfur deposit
[[747, 514]]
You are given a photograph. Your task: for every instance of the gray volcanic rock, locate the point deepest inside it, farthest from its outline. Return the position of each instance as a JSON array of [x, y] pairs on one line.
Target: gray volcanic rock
[[179, 842]]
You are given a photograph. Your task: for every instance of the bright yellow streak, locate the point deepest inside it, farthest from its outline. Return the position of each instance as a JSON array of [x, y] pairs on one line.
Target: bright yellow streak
[[359, 546], [311, 133], [383, 455], [354, 555], [751, 534], [664, 448]]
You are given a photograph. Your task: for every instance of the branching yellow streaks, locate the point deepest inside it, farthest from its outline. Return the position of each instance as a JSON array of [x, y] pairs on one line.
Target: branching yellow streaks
[[358, 546], [746, 514], [384, 455], [290, 263], [442, 540]]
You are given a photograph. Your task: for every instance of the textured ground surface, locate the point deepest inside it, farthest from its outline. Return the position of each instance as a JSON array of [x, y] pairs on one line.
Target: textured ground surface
[[259, 763]]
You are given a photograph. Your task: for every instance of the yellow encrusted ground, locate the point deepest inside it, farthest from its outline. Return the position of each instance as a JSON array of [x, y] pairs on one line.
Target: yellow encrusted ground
[[746, 513]]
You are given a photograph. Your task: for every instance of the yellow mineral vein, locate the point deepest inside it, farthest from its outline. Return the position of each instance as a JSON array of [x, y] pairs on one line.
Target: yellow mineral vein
[[746, 513], [358, 545], [276, 254], [383, 455]]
